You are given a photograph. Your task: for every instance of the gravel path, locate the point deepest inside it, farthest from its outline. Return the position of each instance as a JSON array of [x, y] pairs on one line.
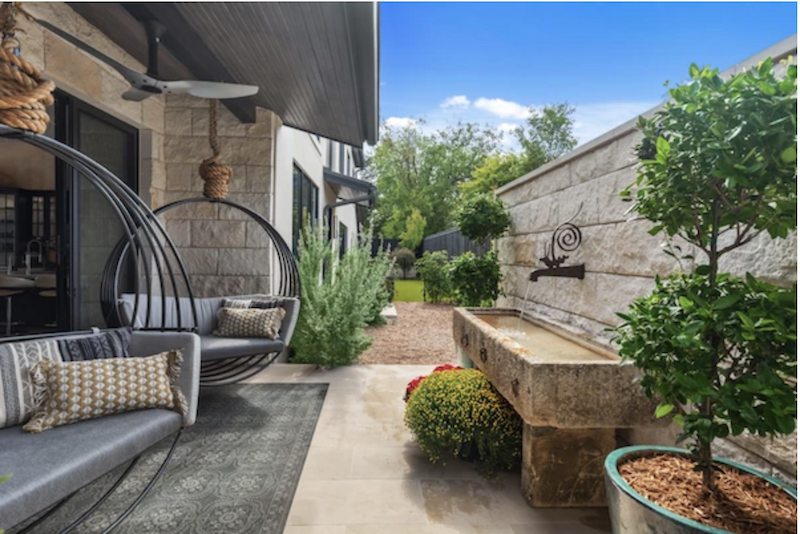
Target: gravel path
[[422, 334]]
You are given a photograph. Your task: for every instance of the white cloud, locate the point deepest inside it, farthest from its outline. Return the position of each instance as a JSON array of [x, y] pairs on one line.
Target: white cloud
[[507, 137], [400, 122], [504, 109], [593, 120], [458, 101]]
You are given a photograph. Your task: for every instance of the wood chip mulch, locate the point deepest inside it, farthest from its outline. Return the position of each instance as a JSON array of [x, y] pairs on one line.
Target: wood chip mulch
[[742, 503], [421, 335]]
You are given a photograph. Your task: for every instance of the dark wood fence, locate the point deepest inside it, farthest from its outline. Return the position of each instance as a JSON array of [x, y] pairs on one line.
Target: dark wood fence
[[454, 243]]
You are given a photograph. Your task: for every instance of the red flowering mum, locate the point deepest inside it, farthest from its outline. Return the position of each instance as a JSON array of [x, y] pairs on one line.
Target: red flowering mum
[[417, 381]]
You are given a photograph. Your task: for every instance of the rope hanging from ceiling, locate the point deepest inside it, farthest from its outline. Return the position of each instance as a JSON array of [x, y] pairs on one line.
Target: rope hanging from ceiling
[[216, 174], [24, 94]]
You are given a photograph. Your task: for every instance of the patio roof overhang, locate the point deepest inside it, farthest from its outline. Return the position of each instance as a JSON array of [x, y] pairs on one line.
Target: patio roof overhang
[[348, 188], [316, 64]]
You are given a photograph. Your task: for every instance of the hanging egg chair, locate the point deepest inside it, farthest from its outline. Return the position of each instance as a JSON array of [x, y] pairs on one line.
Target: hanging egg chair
[[225, 360]]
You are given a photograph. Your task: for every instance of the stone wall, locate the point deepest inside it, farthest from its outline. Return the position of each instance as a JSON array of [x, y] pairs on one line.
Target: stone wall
[[225, 252], [621, 258]]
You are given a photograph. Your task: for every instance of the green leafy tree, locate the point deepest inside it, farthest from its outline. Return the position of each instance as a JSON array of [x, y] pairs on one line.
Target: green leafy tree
[[433, 269], [546, 135], [476, 279], [412, 236], [718, 168], [481, 217], [497, 170], [404, 258], [417, 170]]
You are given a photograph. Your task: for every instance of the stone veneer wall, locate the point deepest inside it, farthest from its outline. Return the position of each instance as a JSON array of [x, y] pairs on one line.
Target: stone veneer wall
[[225, 252], [621, 260]]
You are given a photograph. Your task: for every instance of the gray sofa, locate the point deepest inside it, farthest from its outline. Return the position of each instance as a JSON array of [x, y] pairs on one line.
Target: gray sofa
[[211, 347], [50, 466]]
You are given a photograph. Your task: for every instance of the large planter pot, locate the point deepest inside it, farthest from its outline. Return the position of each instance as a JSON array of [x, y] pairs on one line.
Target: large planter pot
[[633, 514]]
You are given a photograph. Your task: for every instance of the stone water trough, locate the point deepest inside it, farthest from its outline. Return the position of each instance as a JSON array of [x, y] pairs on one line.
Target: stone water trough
[[571, 392]]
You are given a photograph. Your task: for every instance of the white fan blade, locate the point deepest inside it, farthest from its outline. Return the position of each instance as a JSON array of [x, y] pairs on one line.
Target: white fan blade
[[136, 95], [215, 90]]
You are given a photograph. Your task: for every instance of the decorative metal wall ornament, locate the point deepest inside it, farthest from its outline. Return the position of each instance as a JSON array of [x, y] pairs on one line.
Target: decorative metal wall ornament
[[566, 238]]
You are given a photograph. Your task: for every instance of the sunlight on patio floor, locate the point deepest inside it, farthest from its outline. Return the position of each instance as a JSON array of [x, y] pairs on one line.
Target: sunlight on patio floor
[[364, 474]]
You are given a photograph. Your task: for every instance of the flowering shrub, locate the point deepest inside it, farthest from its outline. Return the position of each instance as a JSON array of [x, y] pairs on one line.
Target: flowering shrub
[[462, 415], [414, 383]]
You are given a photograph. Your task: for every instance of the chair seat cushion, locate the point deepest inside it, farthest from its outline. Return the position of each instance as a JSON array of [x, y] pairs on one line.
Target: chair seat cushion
[[217, 348], [49, 466]]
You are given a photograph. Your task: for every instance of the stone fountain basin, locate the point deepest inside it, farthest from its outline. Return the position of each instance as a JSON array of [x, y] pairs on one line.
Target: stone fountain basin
[[553, 377]]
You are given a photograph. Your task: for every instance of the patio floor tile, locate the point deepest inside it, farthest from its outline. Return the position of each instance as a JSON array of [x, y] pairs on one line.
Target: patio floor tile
[[350, 502], [365, 475]]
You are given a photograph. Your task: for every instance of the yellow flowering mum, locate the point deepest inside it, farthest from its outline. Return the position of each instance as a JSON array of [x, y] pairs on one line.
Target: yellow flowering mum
[[460, 413]]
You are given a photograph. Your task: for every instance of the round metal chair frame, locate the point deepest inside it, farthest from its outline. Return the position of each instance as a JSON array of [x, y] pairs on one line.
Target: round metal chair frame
[[146, 236], [228, 370]]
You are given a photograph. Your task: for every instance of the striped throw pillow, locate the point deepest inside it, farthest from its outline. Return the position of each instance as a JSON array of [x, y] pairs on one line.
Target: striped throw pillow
[[16, 388]]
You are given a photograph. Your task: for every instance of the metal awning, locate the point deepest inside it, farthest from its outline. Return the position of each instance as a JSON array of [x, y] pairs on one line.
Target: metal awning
[[349, 188], [316, 64]]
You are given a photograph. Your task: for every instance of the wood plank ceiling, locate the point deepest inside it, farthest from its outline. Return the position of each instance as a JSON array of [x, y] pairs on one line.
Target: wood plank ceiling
[[316, 64]]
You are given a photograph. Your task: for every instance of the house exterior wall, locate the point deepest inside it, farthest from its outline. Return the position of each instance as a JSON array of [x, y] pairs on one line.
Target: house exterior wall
[[621, 258], [224, 252]]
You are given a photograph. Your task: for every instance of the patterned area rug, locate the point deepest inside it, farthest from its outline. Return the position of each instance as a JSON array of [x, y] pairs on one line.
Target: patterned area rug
[[234, 471]]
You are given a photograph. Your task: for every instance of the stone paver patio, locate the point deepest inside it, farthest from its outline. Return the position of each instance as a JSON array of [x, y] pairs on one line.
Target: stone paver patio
[[365, 475]]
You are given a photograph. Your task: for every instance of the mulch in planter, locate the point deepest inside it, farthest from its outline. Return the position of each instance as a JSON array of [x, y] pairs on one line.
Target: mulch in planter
[[742, 503]]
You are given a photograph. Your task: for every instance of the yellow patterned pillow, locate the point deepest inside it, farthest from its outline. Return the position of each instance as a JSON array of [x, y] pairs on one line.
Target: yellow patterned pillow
[[68, 392], [249, 322]]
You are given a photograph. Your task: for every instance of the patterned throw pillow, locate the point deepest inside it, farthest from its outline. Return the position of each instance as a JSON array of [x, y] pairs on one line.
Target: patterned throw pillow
[[16, 390], [263, 304], [108, 344], [250, 322], [68, 392]]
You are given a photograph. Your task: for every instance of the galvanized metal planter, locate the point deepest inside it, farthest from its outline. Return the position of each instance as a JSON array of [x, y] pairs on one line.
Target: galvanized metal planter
[[631, 513]]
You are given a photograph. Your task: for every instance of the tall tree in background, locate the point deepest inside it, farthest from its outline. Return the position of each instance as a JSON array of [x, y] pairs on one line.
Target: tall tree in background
[[430, 172], [416, 170], [546, 135]]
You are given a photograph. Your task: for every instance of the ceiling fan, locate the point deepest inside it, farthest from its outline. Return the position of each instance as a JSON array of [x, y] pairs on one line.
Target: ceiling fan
[[144, 85]]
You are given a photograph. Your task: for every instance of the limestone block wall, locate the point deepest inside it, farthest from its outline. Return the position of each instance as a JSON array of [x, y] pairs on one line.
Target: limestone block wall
[[225, 252], [621, 258]]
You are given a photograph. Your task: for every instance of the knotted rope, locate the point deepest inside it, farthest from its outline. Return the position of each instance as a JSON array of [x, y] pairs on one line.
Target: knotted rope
[[24, 94], [216, 174]]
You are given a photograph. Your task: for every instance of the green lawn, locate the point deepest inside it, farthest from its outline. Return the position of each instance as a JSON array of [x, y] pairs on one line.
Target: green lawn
[[408, 290]]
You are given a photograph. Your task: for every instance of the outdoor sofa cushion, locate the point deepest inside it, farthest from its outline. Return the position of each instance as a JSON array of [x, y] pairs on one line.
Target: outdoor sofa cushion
[[212, 348], [48, 467], [218, 348]]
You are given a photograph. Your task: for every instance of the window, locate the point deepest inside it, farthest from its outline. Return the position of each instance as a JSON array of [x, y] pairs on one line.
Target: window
[[349, 171], [341, 158], [305, 206], [329, 162], [342, 239]]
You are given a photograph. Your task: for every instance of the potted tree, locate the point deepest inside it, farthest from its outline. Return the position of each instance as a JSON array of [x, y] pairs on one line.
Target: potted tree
[[718, 167]]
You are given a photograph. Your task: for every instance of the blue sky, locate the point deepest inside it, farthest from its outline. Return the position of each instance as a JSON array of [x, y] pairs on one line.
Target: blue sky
[[486, 62]]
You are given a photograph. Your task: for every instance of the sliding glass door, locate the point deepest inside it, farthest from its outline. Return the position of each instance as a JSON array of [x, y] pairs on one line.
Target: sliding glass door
[[89, 228]]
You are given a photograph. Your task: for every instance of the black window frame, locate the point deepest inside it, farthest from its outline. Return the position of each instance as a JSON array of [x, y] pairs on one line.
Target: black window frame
[[305, 196]]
